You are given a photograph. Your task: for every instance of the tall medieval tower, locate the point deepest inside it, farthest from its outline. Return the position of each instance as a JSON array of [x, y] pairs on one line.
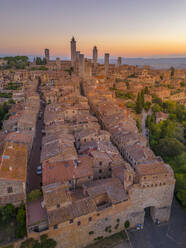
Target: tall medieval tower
[[73, 51], [47, 55], [95, 55]]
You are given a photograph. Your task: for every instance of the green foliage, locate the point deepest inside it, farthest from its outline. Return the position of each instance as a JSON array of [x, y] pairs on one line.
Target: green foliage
[[5, 95], [91, 233], [174, 92], [45, 242], [161, 76], [167, 139], [156, 108], [7, 213], [21, 222], [99, 238], [121, 94], [147, 105], [146, 90], [138, 124], [169, 147], [4, 108], [17, 62], [34, 195], [140, 102], [127, 224], [132, 75], [131, 105], [13, 86], [30, 243], [43, 68], [70, 70], [157, 100], [40, 61], [182, 84]]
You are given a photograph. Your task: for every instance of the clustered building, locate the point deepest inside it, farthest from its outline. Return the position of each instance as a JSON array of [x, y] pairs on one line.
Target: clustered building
[[98, 172], [16, 143]]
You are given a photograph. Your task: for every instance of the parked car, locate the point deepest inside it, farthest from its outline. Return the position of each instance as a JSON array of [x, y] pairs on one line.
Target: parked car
[[39, 170]]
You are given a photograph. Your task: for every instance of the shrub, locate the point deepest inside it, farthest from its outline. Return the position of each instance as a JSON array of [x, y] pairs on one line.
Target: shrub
[[34, 195], [127, 224], [91, 232]]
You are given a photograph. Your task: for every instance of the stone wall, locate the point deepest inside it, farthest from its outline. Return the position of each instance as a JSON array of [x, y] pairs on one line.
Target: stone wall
[[16, 189]]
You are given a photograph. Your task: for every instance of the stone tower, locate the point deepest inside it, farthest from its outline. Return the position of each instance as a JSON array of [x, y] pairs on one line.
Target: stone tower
[[119, 61], [58, 64], [95, 55], [73, 52], [107, 63], [81, 65], [47, 55]]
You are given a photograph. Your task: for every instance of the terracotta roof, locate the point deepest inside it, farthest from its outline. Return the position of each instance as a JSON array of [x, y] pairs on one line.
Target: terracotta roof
[[65, 171], [25, 137], [14, 162], [72, 211], [55, 194], [152, 169], [111, 186]]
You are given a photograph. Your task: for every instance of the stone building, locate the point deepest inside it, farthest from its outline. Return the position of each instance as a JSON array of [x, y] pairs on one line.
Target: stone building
[[13, 173]]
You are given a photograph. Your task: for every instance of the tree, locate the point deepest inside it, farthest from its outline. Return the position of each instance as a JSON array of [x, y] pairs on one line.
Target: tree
[[147, 105], [34, 195], [139, 102], [127, 224], [156, 108], [21, 222], [7, 213], [169, 147], [46, 242], [30, 243]]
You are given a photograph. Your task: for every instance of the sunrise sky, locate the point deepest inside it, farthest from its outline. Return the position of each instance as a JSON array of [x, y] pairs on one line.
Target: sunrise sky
[[129, 28]]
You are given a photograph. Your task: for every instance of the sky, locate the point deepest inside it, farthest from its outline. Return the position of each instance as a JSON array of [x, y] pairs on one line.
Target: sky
[[127, 28]]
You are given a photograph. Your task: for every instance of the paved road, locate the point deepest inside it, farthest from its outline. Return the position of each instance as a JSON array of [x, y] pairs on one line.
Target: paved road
[[34, 180], [171, 235]]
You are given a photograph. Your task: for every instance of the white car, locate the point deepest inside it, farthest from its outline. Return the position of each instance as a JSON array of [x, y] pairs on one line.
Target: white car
[[39, 170]]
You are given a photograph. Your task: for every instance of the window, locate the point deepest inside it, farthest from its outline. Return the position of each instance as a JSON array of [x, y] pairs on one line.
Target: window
[[56, 226], [89, 177], [90, 219], [10, 190], [79, 223], [100, 171], [58, 205], [71, 221], [100, 163], [110, 169]]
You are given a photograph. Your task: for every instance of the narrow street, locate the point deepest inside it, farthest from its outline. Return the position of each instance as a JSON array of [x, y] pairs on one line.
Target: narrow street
[[34, 180], [145, 131]]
